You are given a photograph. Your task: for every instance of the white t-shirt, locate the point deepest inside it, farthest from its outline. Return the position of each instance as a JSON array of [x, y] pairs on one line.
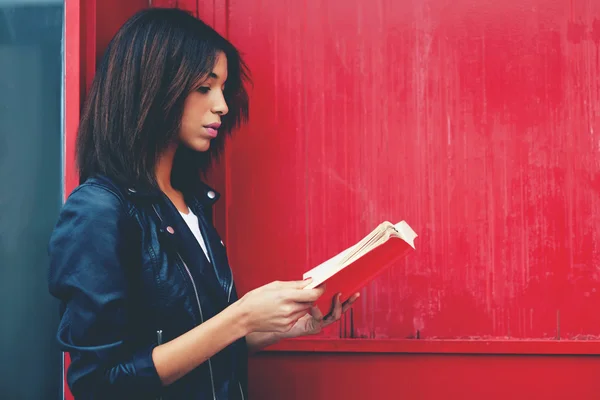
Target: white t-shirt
[[192, 221]]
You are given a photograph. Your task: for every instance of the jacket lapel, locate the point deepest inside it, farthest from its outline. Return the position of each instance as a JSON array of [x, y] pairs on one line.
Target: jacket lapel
[[185, 243], [217, 253]]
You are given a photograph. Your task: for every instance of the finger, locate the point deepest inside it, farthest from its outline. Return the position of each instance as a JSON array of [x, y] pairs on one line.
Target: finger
[[296, 284], [336, 309], [295, 317], [299, 315], [292, 308], [300, 307], [316, 313], [348, 303], [305, 295], [333, 301], [291, 284]]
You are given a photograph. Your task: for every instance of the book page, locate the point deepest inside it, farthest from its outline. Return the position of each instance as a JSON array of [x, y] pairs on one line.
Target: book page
[[374, 239], [406, 233]]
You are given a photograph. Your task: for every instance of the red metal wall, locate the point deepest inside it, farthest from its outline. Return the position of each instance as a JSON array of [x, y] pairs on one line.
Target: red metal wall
[[422, 377], [478, 123]]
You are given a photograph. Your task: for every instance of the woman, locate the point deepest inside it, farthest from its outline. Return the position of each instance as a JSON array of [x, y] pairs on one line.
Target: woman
[[148, 304]]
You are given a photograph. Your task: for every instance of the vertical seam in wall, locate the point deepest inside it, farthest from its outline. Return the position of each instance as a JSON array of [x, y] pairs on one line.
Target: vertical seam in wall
[[303, 69], [63, 141], [63, 151]]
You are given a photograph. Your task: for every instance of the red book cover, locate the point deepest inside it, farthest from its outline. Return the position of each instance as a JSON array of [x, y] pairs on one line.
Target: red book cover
[[372, 256]]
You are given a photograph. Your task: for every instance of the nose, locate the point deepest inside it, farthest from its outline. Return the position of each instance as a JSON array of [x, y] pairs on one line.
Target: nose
[[220, 105]]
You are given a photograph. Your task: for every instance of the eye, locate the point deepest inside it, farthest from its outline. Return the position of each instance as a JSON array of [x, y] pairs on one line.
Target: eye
[[203, 89]]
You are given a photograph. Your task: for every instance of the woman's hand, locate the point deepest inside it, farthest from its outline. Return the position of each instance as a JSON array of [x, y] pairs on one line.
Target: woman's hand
[[277, 307], [313, 322]]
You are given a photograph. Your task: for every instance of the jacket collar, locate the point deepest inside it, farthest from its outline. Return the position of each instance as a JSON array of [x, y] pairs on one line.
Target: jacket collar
[[201, 192]]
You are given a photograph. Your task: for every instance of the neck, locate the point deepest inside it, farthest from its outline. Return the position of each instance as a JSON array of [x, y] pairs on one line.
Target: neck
[[164, 166]]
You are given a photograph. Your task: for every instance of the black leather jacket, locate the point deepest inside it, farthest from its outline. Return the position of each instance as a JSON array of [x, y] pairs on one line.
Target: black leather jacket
[[125, 265]]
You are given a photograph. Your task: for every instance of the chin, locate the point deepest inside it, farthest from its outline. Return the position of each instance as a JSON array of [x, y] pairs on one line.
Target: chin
[[203, 148], [199, 145]]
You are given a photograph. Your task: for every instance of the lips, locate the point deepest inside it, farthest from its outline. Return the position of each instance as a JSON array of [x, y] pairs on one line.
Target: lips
[[213, 129]]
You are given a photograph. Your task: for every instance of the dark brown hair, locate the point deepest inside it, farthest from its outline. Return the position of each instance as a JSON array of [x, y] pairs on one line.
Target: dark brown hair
[[135, 104]]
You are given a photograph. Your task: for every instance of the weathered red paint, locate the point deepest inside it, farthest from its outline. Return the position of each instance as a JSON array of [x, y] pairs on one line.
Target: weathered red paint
[[73, 87], [478, 123]]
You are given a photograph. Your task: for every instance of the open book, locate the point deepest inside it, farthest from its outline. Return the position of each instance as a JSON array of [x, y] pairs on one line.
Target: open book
[[356, 266]]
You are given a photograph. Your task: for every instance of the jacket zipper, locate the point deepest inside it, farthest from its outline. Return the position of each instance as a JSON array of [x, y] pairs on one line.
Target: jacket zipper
[[241, 391], [212, 381], [203, 228], [159, 342]]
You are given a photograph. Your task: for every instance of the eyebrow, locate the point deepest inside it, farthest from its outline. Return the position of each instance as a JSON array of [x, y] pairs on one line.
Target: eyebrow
[[212, 75]]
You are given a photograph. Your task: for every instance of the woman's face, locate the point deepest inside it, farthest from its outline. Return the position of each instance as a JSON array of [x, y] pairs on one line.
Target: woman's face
[[204, 108]]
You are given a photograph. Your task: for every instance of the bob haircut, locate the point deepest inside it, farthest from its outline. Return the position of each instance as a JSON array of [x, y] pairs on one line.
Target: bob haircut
[[135, 105]]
